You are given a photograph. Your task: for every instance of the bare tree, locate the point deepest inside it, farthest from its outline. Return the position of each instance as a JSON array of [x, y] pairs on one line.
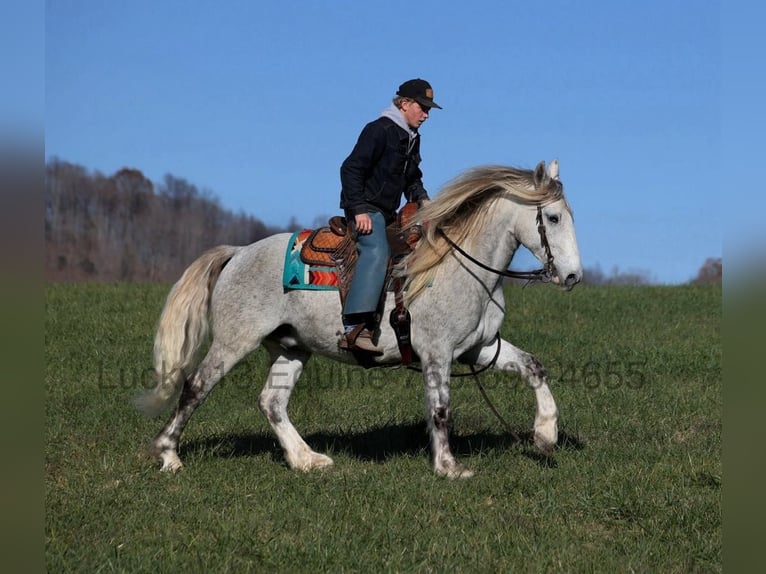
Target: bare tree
[[595, 276], [710, 273], [125, 228]]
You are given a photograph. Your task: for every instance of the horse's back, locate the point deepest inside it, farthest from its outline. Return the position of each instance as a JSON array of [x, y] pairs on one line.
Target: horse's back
[[257, 262], [250, 290], [250, 282]]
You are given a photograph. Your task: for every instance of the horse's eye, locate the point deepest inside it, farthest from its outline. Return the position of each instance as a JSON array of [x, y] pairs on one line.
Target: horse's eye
[[554, 219]]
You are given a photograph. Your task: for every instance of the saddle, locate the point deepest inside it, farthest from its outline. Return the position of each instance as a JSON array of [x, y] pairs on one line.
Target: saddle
[[335, 246]]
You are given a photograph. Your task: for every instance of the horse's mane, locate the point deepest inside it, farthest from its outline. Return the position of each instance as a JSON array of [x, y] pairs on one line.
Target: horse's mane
[[460, 209]]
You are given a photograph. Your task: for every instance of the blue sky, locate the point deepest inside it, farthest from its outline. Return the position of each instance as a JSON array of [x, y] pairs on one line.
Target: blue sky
[[259, 103]]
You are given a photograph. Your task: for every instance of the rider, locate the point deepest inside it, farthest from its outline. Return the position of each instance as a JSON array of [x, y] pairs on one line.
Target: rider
[[383, 166]]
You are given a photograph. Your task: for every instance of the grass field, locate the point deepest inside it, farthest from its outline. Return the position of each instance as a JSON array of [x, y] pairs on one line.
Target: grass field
[[635, 484]]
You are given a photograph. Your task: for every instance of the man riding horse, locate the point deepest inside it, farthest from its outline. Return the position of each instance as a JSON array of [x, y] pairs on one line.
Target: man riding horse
[[383, 166]]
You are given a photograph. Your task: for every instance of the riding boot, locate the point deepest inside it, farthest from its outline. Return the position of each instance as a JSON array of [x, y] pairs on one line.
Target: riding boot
[[359, 339]]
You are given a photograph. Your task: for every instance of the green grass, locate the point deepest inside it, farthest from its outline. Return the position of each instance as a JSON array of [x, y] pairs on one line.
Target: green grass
[[635, 484]]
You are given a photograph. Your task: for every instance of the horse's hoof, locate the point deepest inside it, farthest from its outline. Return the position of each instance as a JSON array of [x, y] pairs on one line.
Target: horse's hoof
[[315, 461], [461, 472], [170, 462], [321, 462], [544, 444], [456, 470], [546, 434]]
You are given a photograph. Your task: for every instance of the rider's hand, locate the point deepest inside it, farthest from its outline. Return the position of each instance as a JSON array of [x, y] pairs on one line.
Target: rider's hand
[[363, 223]]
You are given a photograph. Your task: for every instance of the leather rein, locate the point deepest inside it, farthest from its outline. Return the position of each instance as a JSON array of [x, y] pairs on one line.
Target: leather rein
[[544, 274]]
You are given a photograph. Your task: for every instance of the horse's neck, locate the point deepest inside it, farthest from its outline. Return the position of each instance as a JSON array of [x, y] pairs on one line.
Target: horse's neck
[[471, 295], [494, 246]]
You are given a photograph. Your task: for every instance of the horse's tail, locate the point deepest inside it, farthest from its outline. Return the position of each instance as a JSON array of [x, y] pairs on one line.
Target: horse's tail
[[183, 328]]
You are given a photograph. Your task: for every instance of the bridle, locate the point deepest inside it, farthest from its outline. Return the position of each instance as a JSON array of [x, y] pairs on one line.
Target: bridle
[[545, 274]]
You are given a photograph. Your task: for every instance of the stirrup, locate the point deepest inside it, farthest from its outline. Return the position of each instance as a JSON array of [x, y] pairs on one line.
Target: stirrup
[[359, 339]]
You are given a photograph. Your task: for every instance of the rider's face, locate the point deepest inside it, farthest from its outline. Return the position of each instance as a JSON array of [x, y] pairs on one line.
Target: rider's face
[[414, 113]]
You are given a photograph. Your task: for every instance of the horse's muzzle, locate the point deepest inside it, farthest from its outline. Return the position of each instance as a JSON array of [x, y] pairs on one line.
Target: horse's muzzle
[[571, 280]]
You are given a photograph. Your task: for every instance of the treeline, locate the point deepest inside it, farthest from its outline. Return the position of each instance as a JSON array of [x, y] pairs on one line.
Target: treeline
[[124, 228], [711, 272]]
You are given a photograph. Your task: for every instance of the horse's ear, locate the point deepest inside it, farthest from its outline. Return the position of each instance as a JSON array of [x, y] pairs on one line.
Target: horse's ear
[[553, 169], [541, 177]]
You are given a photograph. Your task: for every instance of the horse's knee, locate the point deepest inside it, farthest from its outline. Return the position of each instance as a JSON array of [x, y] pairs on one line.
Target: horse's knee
[[534, 367], [530, 369]]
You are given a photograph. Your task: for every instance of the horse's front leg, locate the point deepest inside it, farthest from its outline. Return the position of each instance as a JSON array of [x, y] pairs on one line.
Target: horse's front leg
[[532, 371], [436, 377]]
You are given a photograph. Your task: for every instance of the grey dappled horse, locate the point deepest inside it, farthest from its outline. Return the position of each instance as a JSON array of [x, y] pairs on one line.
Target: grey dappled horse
[[235, 295]]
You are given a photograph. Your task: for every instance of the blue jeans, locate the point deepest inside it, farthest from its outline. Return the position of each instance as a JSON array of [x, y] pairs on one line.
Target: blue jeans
[[370, 274]]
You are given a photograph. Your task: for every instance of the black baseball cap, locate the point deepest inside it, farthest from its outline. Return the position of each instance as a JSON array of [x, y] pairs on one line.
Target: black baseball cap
[[420, 91]]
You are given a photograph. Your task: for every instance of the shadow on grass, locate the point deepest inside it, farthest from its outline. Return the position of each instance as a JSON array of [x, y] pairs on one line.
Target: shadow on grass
[[382, 443]]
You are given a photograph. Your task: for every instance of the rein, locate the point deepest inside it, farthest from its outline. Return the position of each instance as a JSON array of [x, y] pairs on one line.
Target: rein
[[545, 274]]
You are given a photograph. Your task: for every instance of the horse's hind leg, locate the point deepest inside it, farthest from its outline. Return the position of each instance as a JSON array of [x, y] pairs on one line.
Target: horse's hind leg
[[286, 368], [195, 390], [532, 371]]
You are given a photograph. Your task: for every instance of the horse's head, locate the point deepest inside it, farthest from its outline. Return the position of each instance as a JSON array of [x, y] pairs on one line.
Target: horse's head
[[494, 201], [549, 228]]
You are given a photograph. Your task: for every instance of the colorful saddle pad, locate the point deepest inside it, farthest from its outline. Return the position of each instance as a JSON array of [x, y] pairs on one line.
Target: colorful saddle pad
[[300, 275], [325, 258]]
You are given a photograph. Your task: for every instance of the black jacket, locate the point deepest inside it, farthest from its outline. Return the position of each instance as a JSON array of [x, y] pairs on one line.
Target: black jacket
[[380, 169]]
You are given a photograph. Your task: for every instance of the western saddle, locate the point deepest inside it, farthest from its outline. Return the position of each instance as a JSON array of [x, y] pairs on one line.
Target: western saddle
[[334, 246]]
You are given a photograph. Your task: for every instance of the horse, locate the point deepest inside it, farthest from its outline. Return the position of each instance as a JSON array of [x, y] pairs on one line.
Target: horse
[[233, 298]]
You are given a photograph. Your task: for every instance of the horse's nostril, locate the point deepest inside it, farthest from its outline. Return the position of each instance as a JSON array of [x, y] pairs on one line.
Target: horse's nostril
[[571, 280]]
